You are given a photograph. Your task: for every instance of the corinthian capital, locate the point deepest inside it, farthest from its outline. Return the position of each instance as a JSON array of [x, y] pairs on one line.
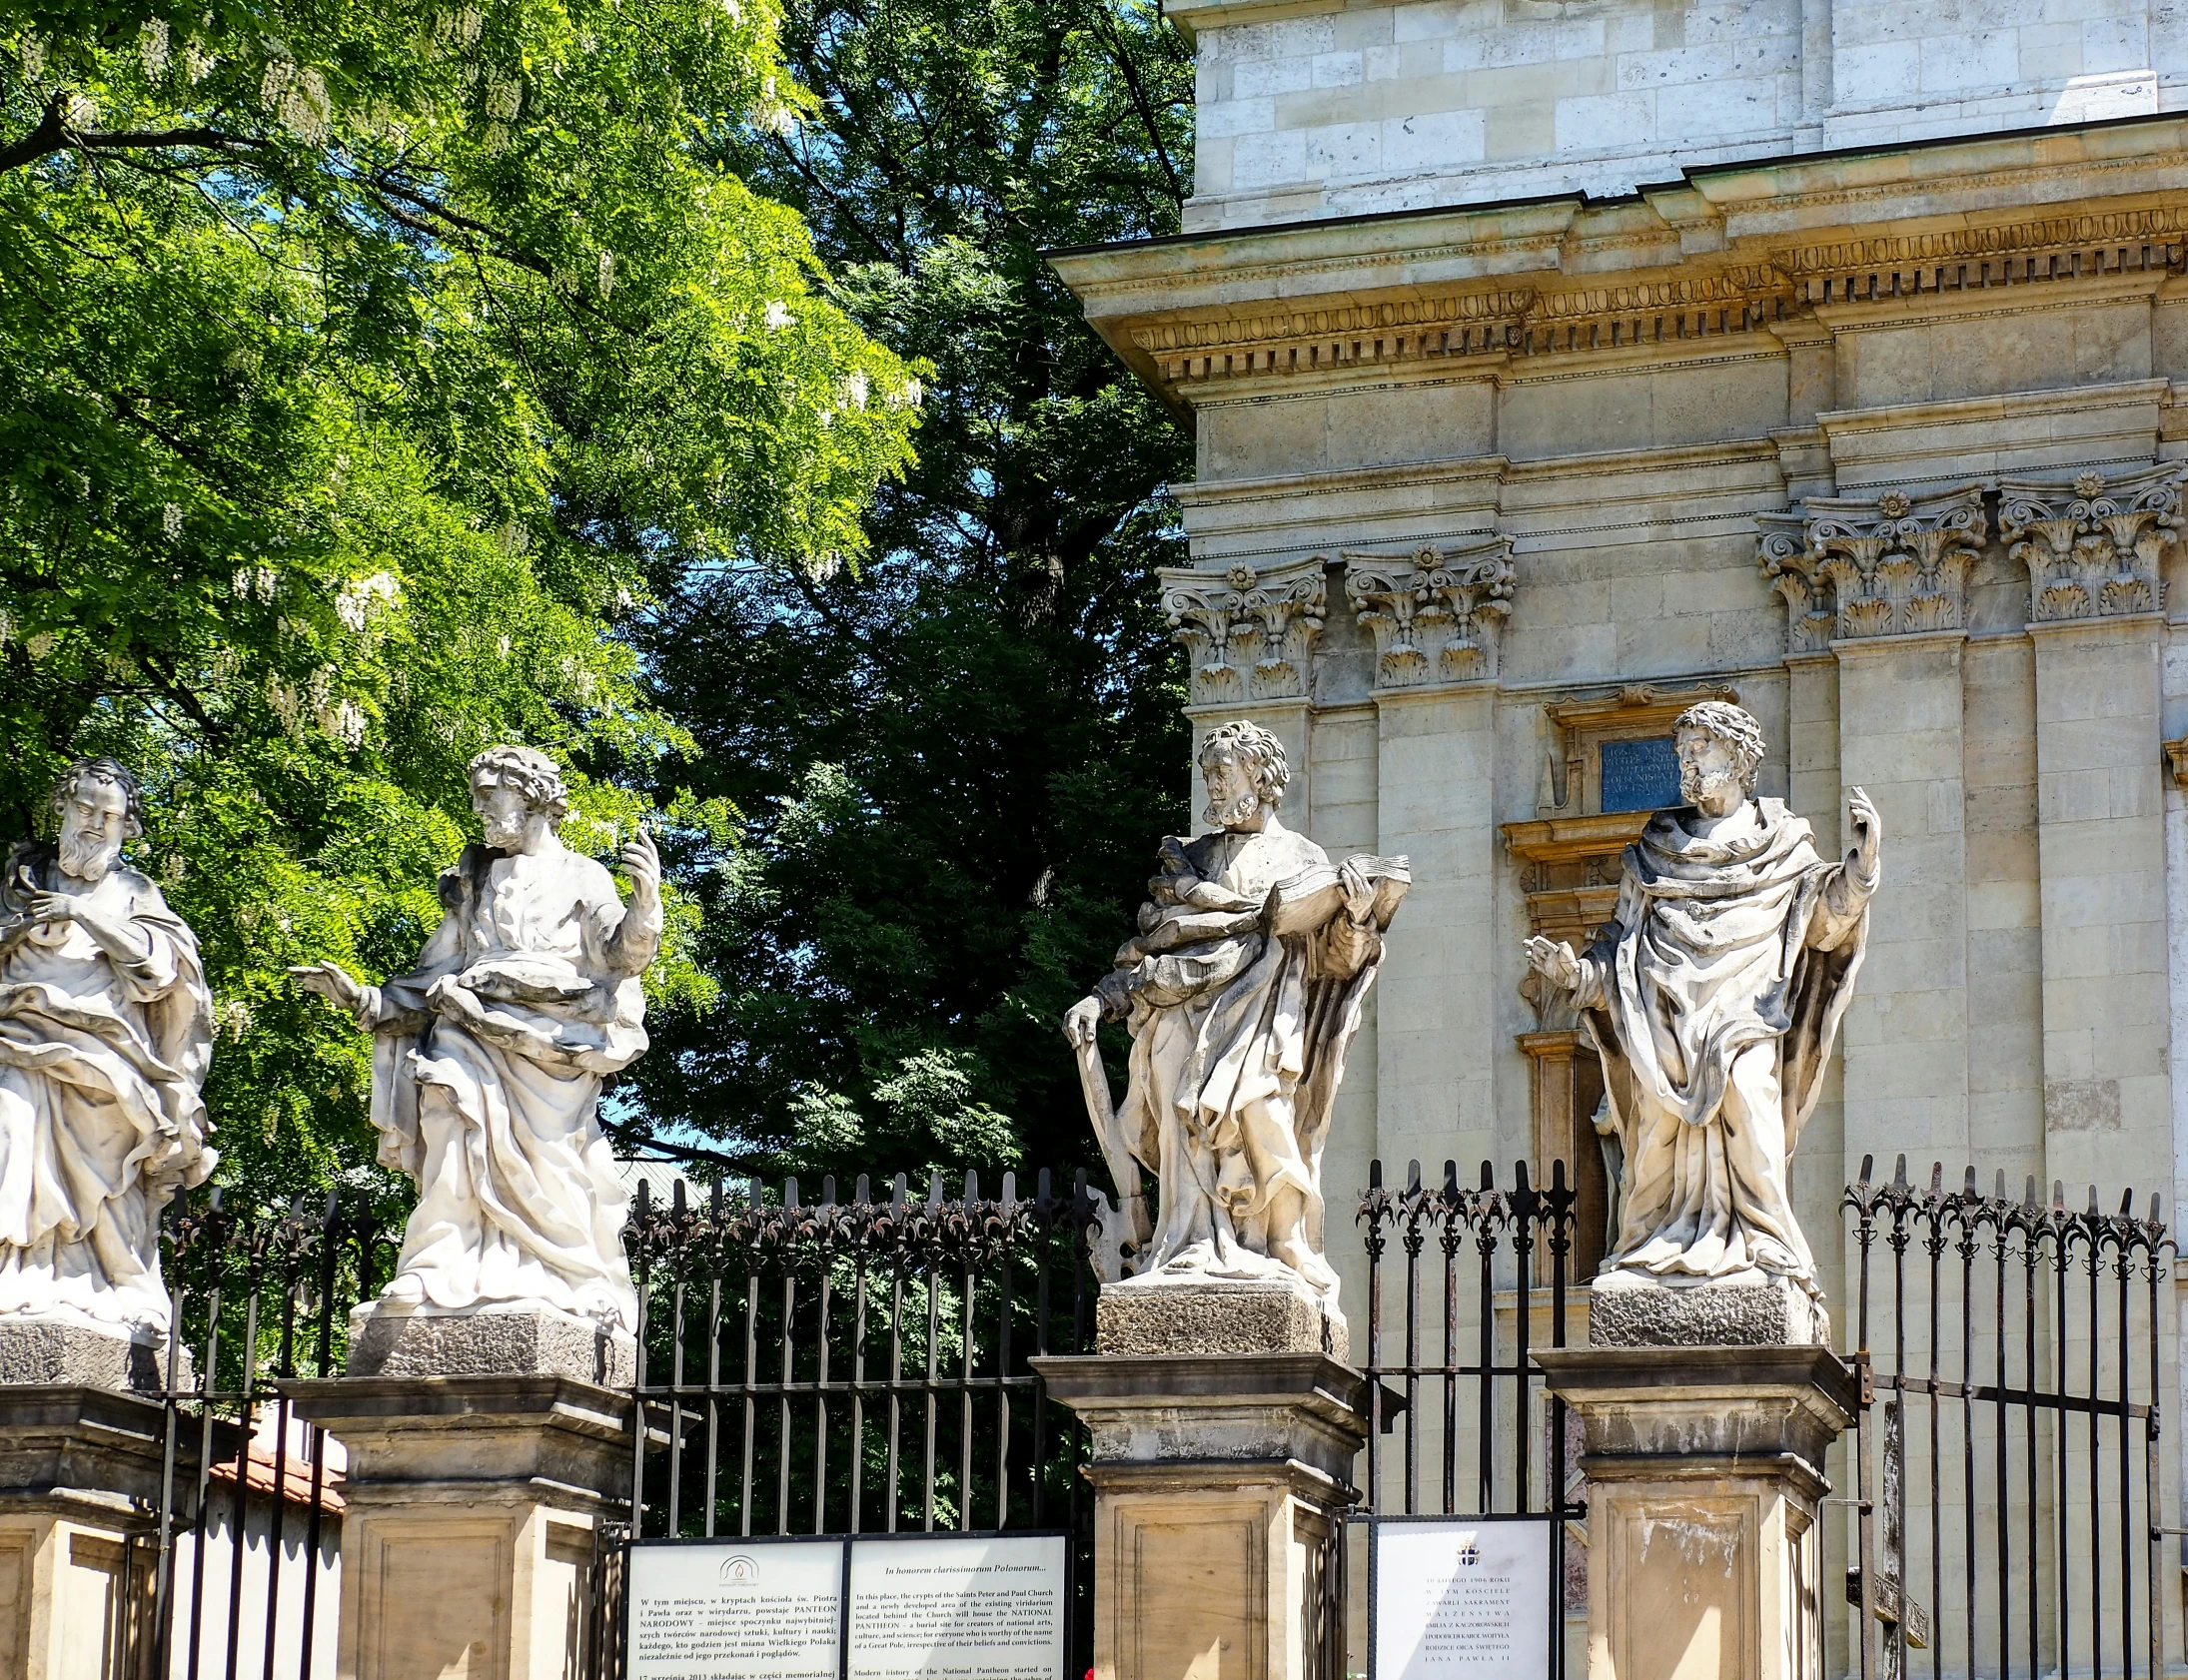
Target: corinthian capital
[[1894, 566], [2092, 545], [1251, 631], [1435, 614]]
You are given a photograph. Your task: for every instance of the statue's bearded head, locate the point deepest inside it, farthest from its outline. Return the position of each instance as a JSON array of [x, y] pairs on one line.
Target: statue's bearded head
[[1720, 754], [101, 809], [510, 787], [1243, 766]]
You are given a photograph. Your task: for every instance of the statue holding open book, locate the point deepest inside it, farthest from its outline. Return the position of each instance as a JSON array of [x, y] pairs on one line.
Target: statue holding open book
[[1242, 990]]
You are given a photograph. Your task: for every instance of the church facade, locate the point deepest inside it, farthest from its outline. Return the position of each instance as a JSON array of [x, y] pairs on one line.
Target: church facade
[[1556, 364]]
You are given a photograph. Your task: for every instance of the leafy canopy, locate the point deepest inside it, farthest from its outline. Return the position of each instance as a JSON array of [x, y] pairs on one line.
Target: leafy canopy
[[366, 367], [954, 765]]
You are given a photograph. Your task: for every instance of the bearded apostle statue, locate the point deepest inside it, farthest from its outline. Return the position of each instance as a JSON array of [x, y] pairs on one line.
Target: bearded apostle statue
[[1714, 997], [1242, 990], [490, 1057], [105, 1033]]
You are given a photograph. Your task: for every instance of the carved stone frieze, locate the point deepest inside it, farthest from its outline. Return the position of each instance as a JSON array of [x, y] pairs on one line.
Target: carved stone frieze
[[1435, 614], [2092, 545], [1251, 631], [1891, 565]]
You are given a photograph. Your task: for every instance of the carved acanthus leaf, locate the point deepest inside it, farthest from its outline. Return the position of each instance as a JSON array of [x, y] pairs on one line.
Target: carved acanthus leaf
[[1891, 565], [1250, 632], [2093, 546], [1435, 614]]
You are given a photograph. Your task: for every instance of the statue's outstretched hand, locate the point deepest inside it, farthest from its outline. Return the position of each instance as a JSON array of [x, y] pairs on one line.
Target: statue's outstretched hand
[[330, 982], [1359, 892], [1867, 830], [1080, 1021], [1555, 962]]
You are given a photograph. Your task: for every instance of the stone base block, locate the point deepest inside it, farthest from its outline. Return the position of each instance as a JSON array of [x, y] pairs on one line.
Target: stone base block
[[491, 1341], [1627, 1311], [50, 1350], [1193, 1314]]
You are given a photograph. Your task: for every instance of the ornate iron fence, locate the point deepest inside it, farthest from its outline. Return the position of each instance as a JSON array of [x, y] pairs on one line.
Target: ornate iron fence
[[240, 1561], [861, 1366], [2009, 1501]]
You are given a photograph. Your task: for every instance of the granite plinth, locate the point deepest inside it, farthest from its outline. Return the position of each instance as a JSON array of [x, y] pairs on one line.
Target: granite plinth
[[60, 1351], [1158, 1315], [493, 1342], [1626, 1311]]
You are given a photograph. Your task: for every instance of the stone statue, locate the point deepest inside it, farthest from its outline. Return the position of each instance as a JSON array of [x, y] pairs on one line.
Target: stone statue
[[1242, 990], [105, 1033], [1713, 995], [489, 1059]]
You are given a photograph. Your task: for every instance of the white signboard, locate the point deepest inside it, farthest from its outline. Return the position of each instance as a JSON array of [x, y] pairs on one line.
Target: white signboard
[[962, 1608], [1461, 1599], [737, 1611]]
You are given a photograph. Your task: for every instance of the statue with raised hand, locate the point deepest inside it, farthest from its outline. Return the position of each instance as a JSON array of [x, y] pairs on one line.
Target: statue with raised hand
[[105, 1033], [1714, 997], [491, 1056]]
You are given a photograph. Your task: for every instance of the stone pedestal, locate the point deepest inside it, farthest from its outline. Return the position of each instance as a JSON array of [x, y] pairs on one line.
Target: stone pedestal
[[1625, 1311], [1704, 1471], [1197, 1315], [80, 1470], [386, 1340], [1221, 1484], [474, 1504]]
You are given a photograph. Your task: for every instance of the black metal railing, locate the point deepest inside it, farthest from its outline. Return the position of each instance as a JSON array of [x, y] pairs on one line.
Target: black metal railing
[[2010, 1509], [1456, 1350], [863, 1365], [259, 1295]]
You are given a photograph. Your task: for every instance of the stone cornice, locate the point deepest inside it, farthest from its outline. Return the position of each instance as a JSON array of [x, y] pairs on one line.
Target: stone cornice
[[1734, 250]]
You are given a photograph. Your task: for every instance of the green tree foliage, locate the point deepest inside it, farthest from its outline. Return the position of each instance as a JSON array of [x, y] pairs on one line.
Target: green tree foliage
[[364, 366], [952, 765]]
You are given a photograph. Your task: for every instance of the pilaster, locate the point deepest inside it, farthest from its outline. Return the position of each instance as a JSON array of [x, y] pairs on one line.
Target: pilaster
[[2100, 825], [1901, 738]]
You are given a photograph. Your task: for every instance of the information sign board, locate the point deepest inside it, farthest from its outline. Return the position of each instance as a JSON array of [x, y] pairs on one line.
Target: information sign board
[[737, 1611], [1460, 1598], [871, 1607], [931, 1607]]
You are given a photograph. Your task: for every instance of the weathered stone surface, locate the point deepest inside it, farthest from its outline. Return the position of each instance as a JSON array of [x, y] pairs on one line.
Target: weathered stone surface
[[1776, 1313], [1216, 1315], [49, 1350], [493, 1342]]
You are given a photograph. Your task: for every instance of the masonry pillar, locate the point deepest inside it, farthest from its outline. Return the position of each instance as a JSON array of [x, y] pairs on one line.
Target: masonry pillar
[[1221, 1484], [1704, 1471], [1901, 737], [475, 1511], [80, 1474]]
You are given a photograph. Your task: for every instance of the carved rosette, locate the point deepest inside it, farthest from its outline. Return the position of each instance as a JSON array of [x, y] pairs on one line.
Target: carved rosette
[[1251, 632], [1435, 614], [2092, 546], [1896, 565]]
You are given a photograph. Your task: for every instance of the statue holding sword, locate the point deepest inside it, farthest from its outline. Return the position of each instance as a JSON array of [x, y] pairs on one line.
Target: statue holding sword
[[1242, 990]]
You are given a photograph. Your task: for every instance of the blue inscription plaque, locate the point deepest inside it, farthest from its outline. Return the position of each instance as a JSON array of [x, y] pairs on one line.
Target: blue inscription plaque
[[1640, 775]]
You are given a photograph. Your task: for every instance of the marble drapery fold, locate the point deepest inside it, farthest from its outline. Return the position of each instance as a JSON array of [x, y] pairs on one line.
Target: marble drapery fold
[[486, 1079], [101, 1121], [1714, 997], [1238, 1038]]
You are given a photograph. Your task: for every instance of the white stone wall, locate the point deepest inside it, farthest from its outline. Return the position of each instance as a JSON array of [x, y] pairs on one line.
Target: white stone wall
[[1358, 109]]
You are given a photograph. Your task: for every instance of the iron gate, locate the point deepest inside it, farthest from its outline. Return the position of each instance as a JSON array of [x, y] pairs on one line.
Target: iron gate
[[861, 1366], [1450, 1359], [2009, 1501]]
